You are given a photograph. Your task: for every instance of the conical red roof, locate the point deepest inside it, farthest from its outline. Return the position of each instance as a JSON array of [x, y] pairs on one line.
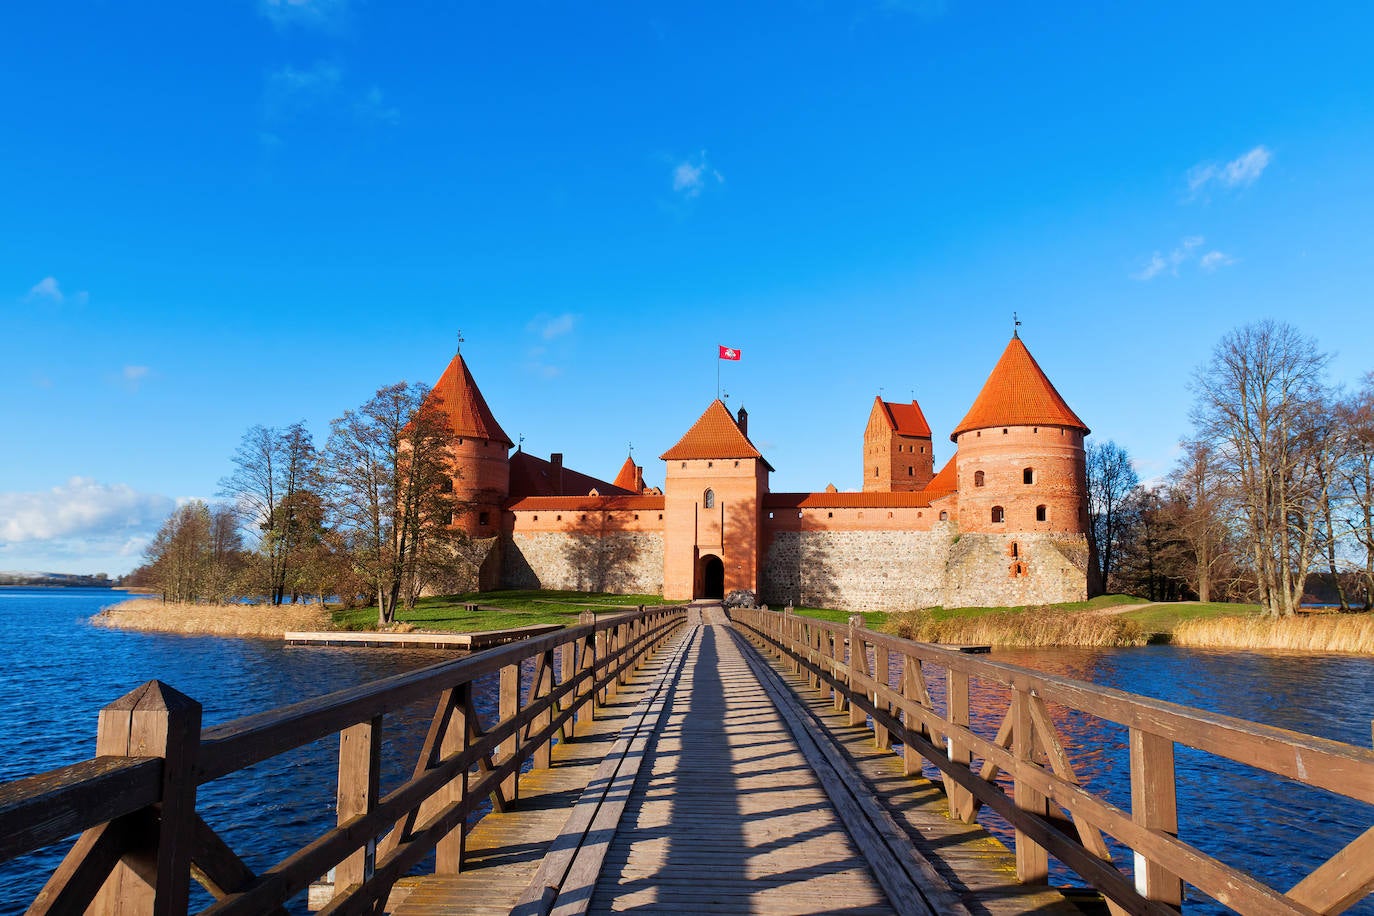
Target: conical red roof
[[1018, 393], [715, 434], [628, 478], [463, 404]]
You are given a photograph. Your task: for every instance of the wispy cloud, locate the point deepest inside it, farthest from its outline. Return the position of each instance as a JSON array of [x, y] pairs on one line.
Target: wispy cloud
[[549, 327], [291, 89], [1188, 250], [694, 175], [373, 107], [50, 291], [1240, 172], [132, 376], [320, 14], [81, 508]]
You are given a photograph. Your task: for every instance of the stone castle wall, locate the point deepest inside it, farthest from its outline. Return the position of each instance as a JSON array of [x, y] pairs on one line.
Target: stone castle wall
[[622, 561]]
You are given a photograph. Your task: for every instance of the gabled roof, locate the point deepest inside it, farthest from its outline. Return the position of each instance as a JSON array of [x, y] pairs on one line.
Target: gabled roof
[[463, 404], [531, 476], [715, 434], [904, 419], [1018, 393], [597, 503], [628, 478]]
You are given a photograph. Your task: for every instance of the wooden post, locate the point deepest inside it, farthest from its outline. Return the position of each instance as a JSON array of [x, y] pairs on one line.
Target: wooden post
[[508, 708], [1154, 804], [1032, 861], [858, 669], [448, 852], [566, 671], [542, 687], [911, 690], [587, 662], [956, 713], [882, 662], [154, 721], [360, 755]]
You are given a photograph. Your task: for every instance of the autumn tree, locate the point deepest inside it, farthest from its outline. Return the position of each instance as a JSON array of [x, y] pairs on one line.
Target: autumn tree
[[389, 473], [1261, 404], [196, 555], [1111, 481], [1355, 474], [271, 468]]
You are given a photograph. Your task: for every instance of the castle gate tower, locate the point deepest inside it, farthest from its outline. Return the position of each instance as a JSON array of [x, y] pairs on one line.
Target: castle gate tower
[[898, 457]]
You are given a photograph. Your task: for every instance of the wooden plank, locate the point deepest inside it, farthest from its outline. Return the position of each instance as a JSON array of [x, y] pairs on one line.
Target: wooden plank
[[480, 639], [39, 810]]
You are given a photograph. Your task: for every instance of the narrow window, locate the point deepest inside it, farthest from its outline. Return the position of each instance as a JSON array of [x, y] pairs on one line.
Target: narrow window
[[684, 464], [997, 514], [944, 516], [1014, 551], [584, 518], [710, 464], [736, 464], [830, 515], [977, 478], [636, 516], [923, 450], [483, 518], [1040, 513], [1004, 431], [536, 518], [910, 471], [708, 499], [875, 472], [660, 516], [558, 518], [446, 486], [889, 515], [770, 514], [1028, 475], [450, 519]]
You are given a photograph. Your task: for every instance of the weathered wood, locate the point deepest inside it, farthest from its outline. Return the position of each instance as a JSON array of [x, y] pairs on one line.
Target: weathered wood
[[508, 707], [1154, 805], [42, 809], [360, 751], [1343, 880], [957, 714], [87, 865]]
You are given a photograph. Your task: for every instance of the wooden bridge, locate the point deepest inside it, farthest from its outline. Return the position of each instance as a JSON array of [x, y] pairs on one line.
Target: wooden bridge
[[679, 760]]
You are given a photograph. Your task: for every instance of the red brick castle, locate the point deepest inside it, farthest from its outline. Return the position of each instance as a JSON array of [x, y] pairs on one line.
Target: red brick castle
[[1001, 523]]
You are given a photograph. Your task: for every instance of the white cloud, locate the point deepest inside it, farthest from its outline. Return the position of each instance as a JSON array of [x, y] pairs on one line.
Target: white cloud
[[1240, 172], [1215, 259], [50, 291], [692, 176], [373, 107], [1183, 253], [314, 13], [82, 509], [549, 327]]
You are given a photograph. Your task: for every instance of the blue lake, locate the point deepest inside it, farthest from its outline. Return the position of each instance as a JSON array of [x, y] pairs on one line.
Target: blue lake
[[60, 671]]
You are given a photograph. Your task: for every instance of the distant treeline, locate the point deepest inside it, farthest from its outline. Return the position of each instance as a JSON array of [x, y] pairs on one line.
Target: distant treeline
[[60, 580]]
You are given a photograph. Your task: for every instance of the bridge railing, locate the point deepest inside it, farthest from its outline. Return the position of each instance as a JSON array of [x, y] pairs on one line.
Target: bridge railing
[[141, 839], [1050, 810]]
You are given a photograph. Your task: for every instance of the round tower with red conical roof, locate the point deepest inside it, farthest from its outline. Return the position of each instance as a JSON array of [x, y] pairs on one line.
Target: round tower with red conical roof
[[1021, 460], [481, 463]]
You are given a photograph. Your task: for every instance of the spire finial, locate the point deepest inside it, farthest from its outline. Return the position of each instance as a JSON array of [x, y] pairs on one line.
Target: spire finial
[[520, 446], [1015, 323], [459, 347], [632, 449]]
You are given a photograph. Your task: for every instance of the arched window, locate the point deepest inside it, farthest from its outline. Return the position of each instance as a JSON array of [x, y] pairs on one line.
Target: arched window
[[708, 499], [1028, 475], [1041, 513], [977, 478], [944, 516], [998, 515], [1014, 550]]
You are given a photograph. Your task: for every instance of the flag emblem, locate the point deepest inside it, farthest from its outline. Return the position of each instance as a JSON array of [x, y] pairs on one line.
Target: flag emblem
[[729, 353]]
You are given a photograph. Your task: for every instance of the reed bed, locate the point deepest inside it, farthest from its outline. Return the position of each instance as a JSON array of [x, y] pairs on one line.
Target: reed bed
[[1308, 633], [1032, 626], [213, 619]]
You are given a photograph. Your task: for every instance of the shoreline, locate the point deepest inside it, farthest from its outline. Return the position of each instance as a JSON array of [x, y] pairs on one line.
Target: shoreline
[[248, 620]]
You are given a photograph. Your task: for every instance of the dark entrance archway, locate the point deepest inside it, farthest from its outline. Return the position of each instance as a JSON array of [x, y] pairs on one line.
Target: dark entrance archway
[[712, 577]]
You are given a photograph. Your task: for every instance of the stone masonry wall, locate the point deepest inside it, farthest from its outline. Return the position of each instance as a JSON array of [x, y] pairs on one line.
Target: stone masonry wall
[[625, 562], [895, 570]]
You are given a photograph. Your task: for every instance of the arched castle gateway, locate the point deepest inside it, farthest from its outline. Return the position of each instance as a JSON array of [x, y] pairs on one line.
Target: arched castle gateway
[[1001, 523]]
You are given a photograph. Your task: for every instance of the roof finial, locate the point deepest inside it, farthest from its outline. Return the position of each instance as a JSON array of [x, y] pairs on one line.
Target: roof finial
[[632, 449], [520, 447], [1016, 323], [459, 348]]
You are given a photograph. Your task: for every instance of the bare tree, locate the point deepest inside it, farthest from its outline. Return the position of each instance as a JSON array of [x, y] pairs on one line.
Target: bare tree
[[1199, 506], [1355, 472], [1260, 407], [1111, 481], [387, 464], [271, 468], [196, 555]]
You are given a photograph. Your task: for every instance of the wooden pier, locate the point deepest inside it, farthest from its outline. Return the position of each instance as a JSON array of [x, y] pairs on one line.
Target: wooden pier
[[681, 760], [418, 639]]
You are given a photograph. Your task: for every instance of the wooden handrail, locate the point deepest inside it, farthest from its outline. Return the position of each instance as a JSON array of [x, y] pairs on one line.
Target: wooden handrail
[[1028, 749], [108, 799]]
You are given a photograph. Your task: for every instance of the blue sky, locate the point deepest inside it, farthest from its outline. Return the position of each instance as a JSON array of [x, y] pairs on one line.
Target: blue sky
[[259, 211]]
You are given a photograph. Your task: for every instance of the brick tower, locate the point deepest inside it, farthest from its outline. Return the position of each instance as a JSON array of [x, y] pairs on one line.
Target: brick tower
[[715, 482], [1021, 464], [897, 449], [481, 465]]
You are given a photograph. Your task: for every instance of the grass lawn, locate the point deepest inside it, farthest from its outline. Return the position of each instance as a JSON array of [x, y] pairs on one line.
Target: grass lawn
[[1163, 618], [875, 619], [498, 610]]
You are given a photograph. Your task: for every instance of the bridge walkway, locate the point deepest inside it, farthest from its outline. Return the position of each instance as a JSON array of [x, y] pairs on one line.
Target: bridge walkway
[[745, 801]]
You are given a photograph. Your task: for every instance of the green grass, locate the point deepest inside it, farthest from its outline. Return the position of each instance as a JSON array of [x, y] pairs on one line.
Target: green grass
[[1163, 618], [872, 619], [498, 611]]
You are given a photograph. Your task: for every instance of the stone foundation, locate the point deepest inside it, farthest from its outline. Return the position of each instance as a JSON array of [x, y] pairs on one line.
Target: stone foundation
[[625, 562]]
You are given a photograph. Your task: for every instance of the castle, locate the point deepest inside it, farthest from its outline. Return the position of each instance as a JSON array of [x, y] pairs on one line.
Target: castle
[[1001, 523]]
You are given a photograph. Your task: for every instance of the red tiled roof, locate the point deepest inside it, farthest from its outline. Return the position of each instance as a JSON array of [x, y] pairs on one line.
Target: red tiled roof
[[574, 503], [463, 404], [869, 500], [715, 434], [1018, 393], [628, 478], [945, 482], [906, 419], [531, 476]]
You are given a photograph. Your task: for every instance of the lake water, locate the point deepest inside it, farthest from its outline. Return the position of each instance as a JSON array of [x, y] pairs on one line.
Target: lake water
[[59, 671]]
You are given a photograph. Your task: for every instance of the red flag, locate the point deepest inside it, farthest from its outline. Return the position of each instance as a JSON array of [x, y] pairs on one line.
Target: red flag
[[728, 353]]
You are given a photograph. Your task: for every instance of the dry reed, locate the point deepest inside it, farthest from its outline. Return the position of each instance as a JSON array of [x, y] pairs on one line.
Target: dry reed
[[1034, 626], [213, 619], [1311, 633]]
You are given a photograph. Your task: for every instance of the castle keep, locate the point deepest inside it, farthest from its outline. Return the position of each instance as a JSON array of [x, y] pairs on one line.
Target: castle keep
[[1001, 523]]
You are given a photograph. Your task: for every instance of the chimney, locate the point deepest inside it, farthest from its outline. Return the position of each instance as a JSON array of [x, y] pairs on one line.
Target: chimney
[[556, 459], [639, 479], [743, 421]]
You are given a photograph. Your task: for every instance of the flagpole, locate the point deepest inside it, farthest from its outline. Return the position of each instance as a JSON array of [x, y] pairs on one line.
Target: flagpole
[[717, 376]]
